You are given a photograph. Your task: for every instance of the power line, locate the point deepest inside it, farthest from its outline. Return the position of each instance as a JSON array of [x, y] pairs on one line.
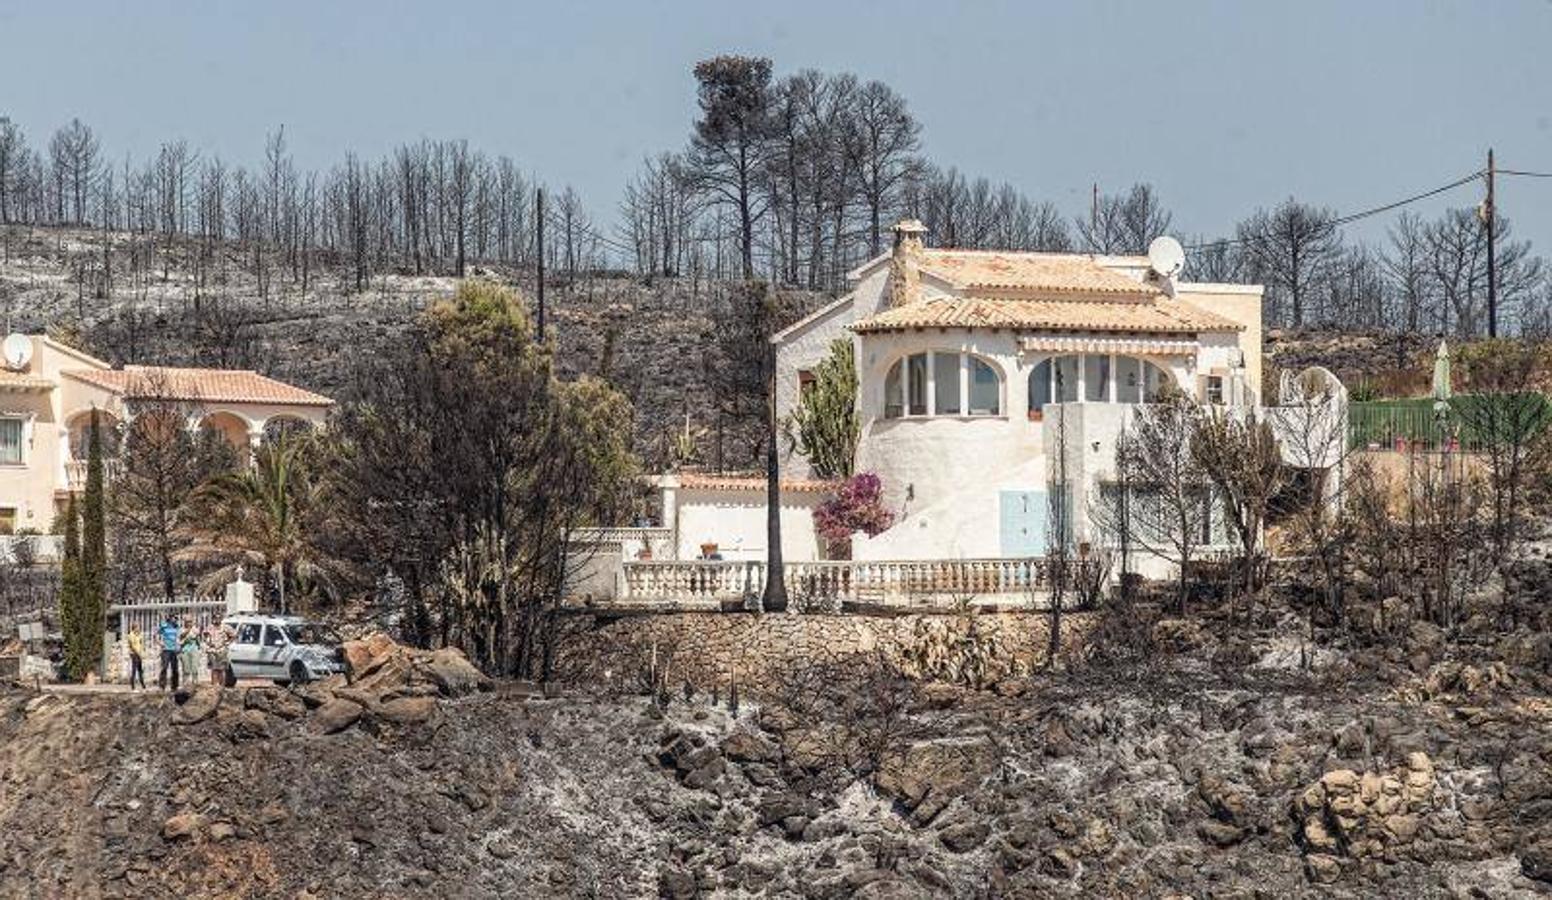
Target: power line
[[1525, 174], [1364, 214]]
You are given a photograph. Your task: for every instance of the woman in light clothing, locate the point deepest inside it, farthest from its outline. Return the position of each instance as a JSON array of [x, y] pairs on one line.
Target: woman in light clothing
[[189, 650], [217, 637]]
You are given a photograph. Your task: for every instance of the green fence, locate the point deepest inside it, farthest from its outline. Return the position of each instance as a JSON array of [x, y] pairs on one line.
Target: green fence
[[1472, 422]]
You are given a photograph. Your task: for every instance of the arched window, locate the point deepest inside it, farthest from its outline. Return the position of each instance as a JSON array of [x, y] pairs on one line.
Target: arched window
[[1096, 378], [894, 392], [985, 389], [942, 383]]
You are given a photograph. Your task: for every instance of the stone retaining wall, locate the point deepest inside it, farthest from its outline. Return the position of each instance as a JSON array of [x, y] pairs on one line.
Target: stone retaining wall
[[716, 649]]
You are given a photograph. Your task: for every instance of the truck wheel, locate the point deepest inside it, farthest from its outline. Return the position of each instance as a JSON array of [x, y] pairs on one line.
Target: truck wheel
[[228, 677], [299, 674]]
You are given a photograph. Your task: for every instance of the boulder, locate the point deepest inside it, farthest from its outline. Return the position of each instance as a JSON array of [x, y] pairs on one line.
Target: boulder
[[1321, 868], [364, 656], [454, 675], [1536, 861], [197, 705], [406, 711], [931, 773], [964, 837], [334, 716], [746, 746], [275, 702], [387, 670], [182, 826]]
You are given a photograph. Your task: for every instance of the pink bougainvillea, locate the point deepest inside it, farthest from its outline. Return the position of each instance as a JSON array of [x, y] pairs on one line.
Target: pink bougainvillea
[[858, 505]]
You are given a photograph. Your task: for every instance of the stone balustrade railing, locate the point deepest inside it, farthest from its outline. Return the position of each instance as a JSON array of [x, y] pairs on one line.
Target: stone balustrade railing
[[929, 582], [75, 473]]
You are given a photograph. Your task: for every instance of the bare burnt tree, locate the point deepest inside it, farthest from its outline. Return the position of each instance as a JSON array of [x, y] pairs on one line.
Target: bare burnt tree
[[161, 462], [731, 140], [1505, 416], [13, 146], [1124, 223], [1311, 425], [1406, 272], [1169, 510], [73, 156], [884, 143], [1457, 254], [1291, 250], [1238, 452]]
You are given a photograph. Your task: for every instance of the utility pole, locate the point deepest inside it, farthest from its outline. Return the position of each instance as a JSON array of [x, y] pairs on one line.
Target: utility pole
[[1489, 213], [1094, 218], [539, 208]]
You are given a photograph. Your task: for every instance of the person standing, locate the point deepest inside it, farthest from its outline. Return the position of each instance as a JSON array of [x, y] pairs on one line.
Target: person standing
[[136, 644], [188, 647], [217, 637], [171, 642]]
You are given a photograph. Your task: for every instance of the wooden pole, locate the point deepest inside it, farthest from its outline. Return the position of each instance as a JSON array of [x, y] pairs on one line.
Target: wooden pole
[[539, 208]]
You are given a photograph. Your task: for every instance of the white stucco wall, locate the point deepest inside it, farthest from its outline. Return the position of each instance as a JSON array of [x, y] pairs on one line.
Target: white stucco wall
[[944, 476], [735, 521]]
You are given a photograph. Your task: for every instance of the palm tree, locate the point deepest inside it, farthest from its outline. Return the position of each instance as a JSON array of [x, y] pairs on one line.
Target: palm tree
[[265, 514]]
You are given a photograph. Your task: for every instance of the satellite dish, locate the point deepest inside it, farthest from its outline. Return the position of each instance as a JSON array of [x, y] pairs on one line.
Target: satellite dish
[[1166, 256], [17, 351]]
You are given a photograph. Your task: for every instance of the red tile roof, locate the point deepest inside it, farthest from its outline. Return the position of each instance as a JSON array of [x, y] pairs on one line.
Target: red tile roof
[[1019, 272], [201, 385], [1159, 316]]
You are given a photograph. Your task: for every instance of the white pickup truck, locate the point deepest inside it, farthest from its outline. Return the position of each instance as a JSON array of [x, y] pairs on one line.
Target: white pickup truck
[[284, 649]]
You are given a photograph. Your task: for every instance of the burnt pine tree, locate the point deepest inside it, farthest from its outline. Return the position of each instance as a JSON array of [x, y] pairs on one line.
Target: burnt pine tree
[[731, 140]]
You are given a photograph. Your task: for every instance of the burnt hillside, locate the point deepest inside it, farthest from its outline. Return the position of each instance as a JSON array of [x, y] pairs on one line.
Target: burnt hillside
[[174, 303]]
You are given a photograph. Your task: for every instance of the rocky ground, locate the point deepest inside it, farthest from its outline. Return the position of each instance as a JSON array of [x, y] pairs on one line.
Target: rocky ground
[[1220, 769]]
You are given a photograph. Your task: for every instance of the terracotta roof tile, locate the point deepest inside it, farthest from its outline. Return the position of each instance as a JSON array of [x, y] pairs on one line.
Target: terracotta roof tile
[[1065, 273], [200, 385], [695, 481], [1161, 316]]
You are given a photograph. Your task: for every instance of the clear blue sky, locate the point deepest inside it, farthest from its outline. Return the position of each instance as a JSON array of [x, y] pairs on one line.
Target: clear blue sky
[[1223, 106]]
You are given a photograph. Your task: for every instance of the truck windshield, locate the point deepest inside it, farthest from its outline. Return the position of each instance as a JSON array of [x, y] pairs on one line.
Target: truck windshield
[[311, 633]]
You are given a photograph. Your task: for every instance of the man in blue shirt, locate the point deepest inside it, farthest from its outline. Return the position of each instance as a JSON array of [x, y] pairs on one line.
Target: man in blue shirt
[[172, 641]]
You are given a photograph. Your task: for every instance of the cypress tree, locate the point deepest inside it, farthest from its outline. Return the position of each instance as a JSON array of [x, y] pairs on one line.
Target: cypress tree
[[70, 618], [94, 549]]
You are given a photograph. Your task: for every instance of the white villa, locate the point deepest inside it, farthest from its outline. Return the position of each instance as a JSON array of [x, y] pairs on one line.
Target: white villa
[[962, 353], [49, 390], [963, 357]]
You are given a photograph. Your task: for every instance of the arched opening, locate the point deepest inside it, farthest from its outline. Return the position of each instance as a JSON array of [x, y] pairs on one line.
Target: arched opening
[[942, 383], [1096, 378], [110, 434], [291, 427], [230, 427]]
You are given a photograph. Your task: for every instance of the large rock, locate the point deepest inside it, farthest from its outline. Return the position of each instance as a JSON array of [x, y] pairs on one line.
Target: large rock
[[197, 705], [454, 674], [334, 716], [930, 774], [275, 701], [406, 711], [363, 657], [182, 826], [746, 746], [386, 670], [1536, 861]]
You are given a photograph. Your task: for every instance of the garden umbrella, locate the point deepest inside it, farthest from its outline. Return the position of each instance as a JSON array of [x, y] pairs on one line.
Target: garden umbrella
[[1441, 373]]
